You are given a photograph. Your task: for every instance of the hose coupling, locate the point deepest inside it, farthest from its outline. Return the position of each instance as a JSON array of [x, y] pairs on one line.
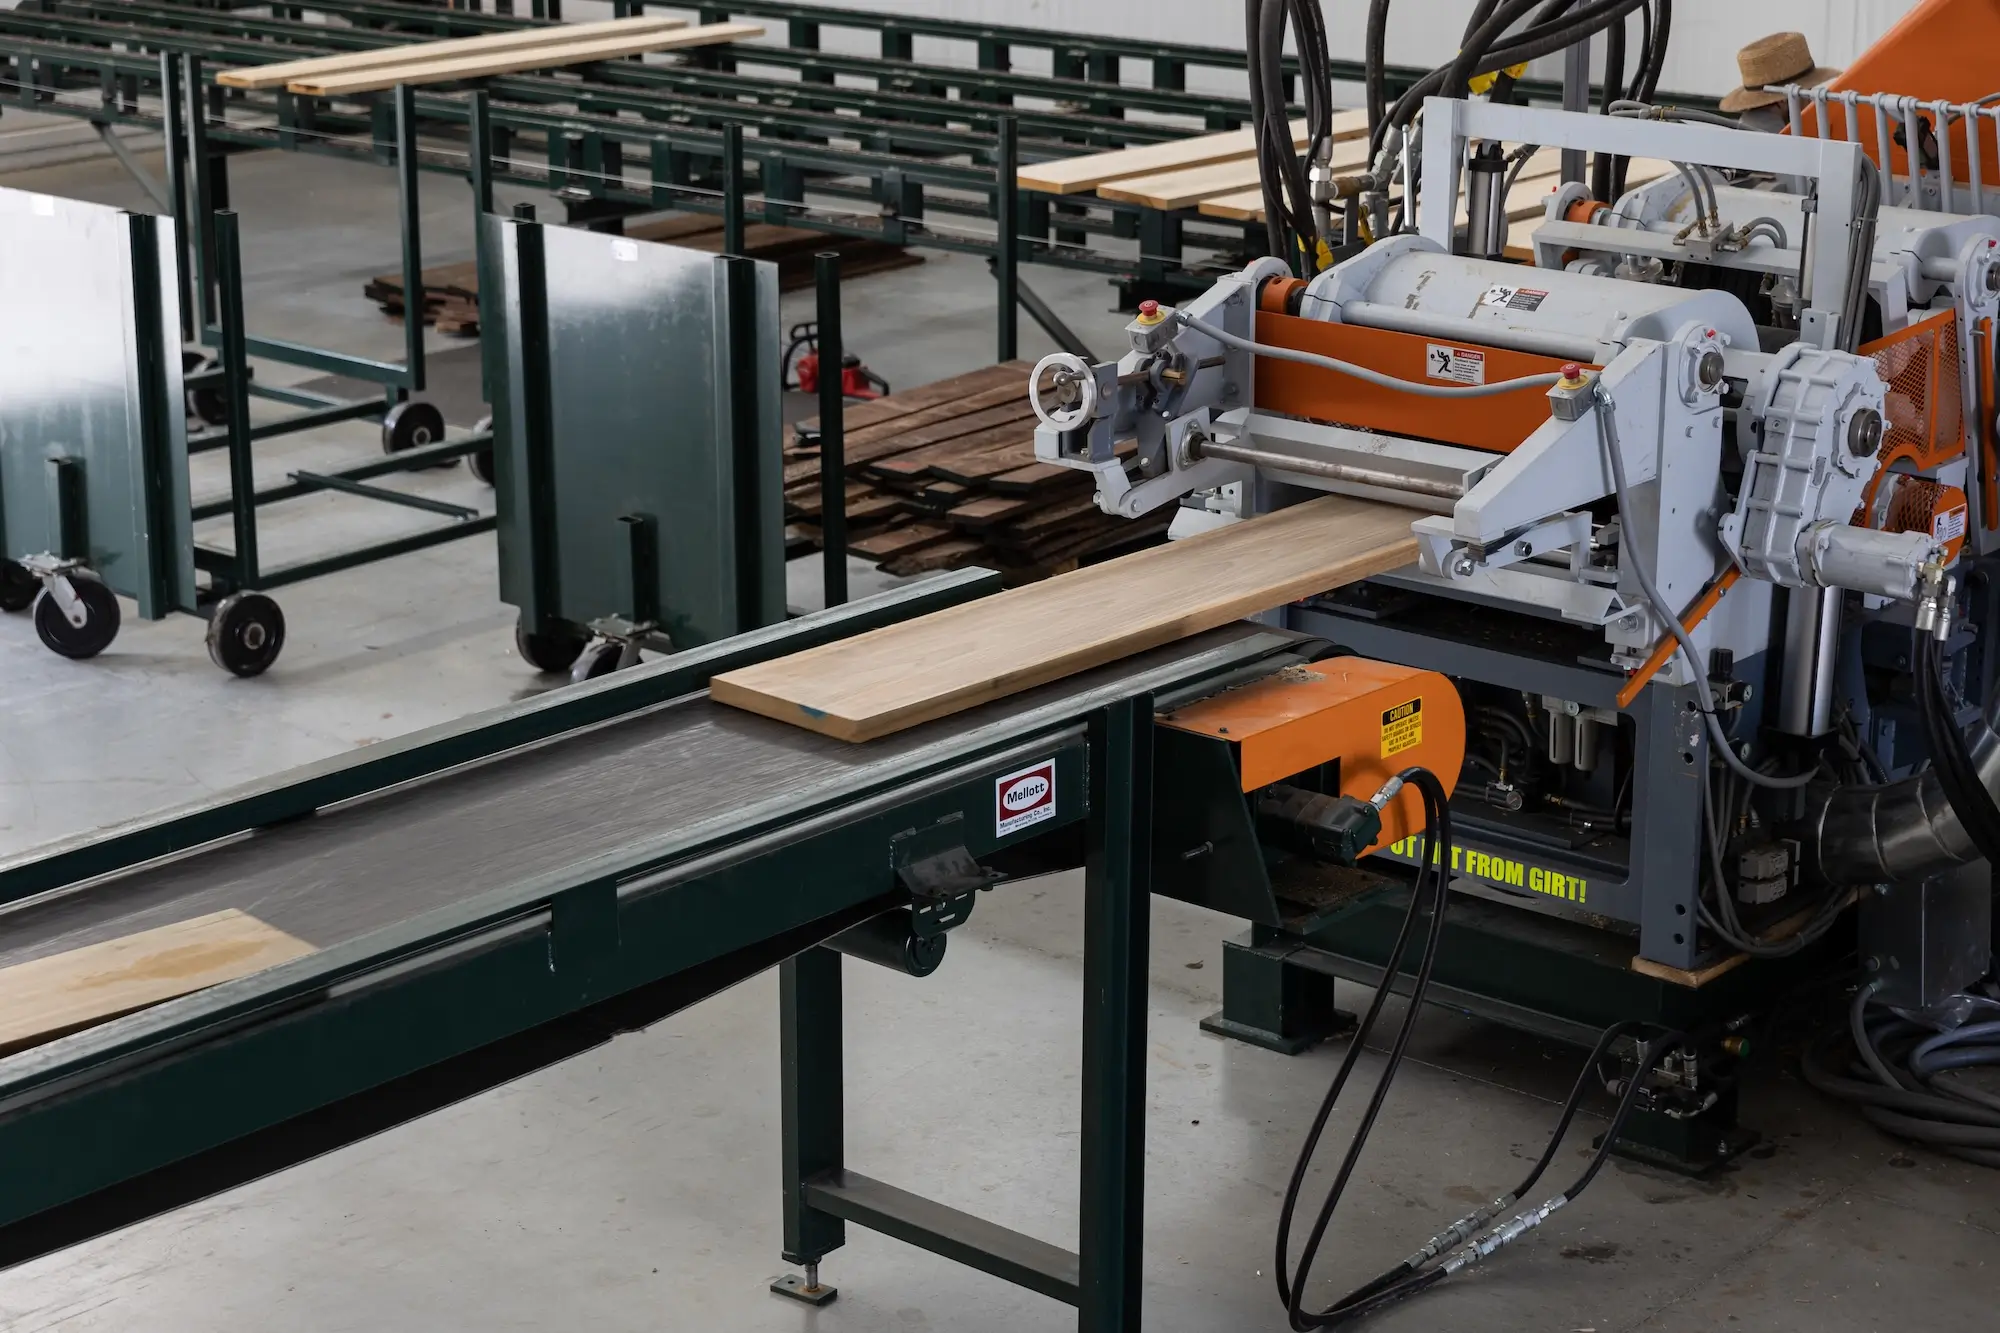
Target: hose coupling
[[1934, 590], [1387, 793], [1503, 1235]]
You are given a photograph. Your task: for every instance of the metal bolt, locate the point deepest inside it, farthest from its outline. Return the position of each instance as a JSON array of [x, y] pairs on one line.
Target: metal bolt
[[1523, 549], [1464, 565]]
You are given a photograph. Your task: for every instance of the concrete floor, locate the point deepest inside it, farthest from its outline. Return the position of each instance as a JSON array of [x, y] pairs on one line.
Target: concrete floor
[[635, 1188]]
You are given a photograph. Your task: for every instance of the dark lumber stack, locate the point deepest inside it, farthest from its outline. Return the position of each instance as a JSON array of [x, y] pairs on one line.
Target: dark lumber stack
[[944, 476], [451, 291]]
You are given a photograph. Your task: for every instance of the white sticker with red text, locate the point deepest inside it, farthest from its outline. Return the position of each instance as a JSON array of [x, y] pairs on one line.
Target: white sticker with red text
[[1024, 798], [1460, 365]]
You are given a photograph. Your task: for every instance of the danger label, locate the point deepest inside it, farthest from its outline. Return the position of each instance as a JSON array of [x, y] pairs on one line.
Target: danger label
[[1460, 365], [1514, 298], [1402, 727], [1024, 798], [1949, 525]]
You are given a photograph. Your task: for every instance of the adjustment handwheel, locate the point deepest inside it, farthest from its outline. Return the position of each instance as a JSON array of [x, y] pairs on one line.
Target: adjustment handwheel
[[1074, 385]]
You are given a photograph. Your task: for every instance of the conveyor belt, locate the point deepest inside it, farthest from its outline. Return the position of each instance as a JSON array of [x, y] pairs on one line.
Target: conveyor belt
[[606, 791]]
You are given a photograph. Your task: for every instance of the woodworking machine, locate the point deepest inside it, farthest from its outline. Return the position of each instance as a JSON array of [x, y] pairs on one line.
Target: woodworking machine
[[1749, 397]]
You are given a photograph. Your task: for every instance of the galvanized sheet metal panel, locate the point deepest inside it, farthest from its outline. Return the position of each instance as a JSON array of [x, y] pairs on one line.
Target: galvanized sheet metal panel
[[90, 375]]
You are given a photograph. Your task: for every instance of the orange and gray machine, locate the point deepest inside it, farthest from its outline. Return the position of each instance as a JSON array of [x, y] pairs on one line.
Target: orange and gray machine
[[1690, 472]]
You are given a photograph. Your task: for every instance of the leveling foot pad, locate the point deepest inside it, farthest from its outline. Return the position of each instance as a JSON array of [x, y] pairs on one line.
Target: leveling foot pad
[[1284, 1044], [794, 1286]]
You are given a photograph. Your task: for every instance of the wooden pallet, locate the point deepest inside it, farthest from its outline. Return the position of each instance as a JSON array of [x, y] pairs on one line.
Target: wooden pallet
[[451, 291], [944, 476]]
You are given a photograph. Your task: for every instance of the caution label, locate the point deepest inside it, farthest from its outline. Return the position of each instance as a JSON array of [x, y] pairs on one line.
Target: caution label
[[1402, 727], [1949, 525], [1460, 365], [1514, 298]]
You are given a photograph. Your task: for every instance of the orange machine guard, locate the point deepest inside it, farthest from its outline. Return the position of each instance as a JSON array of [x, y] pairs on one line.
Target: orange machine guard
[[1500, 423], [1374, 718], [1940, 50]]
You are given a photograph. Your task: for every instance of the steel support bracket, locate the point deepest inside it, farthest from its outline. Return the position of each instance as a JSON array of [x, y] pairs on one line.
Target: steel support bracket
[[941, 874]]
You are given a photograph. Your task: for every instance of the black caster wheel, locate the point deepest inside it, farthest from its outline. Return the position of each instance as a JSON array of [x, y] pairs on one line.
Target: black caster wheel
[[100, 618], [599, 659], [481, 460], [17, 586], [548, 652], [206, 404], [412, 425], [246, 632]]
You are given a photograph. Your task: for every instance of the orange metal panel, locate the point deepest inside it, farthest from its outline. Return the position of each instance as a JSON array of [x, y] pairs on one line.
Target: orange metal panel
[[1942, 49], [1375, 718], [1499, 423]]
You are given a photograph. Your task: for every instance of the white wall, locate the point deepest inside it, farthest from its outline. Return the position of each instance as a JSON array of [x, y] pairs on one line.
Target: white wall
[[1702, 57]]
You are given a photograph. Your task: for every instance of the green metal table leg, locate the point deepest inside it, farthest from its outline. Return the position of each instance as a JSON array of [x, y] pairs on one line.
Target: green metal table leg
[[1117, 904], [814, 1131]]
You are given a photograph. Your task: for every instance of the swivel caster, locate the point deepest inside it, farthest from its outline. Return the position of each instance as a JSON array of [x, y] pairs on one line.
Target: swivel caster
[[481, 460], [602, 658], [412, 425], [75, 614], [17, 586], [246, 632], [551, 652], [205, 403]]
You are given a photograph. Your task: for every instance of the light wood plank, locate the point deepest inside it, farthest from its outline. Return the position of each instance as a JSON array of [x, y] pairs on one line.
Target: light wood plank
[[278, 75], [1183, 189], [45, 998], [1074, 175], [512, 62], [898, 676]]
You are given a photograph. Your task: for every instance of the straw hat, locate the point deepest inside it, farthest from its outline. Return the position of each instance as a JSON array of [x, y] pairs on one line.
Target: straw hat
[[1781, 58]]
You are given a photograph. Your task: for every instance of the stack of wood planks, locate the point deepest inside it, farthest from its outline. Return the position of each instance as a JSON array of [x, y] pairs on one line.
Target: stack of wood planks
[[945, 476], [1216, 175], [546, 47], [451, 291]]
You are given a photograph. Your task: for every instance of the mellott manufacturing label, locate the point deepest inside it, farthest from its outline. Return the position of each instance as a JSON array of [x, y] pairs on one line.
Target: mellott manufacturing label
[[1024, 798], [1460, 365], [1402, 727]]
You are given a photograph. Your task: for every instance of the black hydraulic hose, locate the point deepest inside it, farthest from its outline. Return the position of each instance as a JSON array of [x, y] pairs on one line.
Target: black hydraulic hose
[[1603, 165], [1531, 45], [1433, 881], [1375, 57], [1957, 775], [1432, 887]]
